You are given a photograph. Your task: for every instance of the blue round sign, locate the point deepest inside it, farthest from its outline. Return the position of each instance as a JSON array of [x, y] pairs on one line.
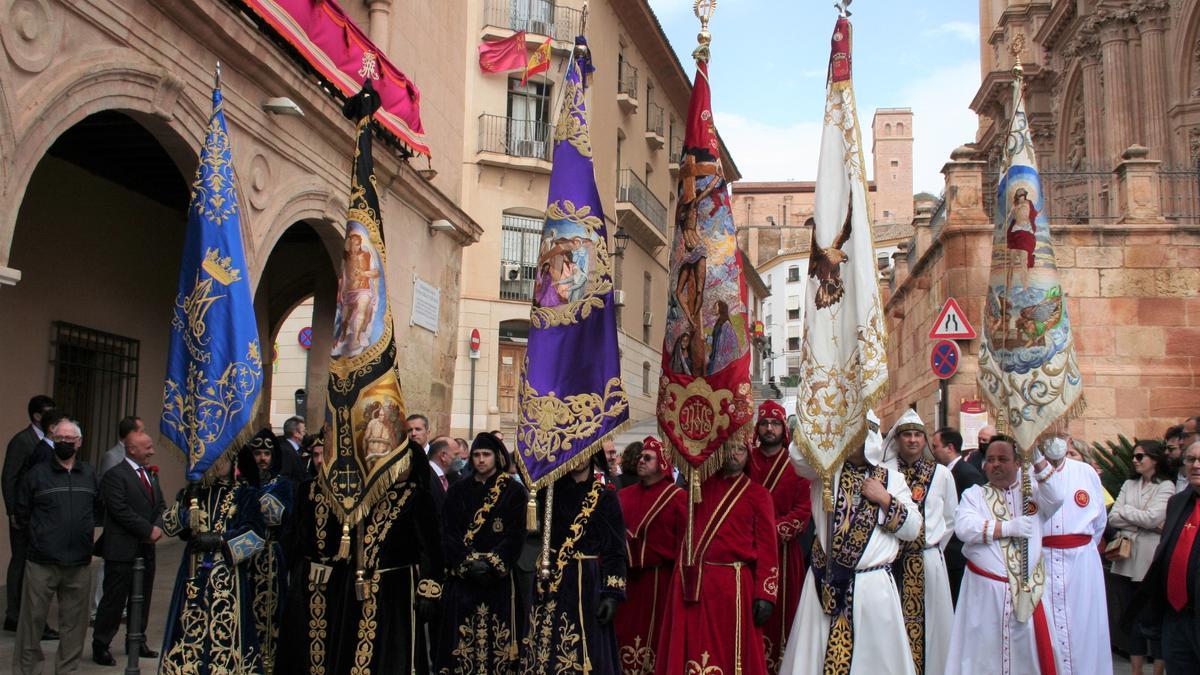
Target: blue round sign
[[944, 358], [304, 337]]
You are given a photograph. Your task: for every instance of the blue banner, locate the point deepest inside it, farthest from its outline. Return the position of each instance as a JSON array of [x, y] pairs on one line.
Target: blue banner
[[571, 397], [214, 366]]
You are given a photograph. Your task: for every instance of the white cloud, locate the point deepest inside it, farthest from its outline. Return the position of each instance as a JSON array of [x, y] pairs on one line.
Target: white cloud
[[941, 120], [963, 30], [767, 152]]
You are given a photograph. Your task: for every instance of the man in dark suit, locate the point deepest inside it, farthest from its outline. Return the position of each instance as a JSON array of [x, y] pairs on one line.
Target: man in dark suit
[[441, 455], [945, 446], [20, 449], [975, 457], [133, 507], [290, 461], [1170, 592]]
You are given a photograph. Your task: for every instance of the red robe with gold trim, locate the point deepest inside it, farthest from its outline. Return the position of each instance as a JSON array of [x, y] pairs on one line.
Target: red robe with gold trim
[[791, 496], [655, 521], [708, 626]]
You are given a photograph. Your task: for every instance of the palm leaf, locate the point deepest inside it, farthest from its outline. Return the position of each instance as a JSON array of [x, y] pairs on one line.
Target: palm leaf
[[1116, 462]]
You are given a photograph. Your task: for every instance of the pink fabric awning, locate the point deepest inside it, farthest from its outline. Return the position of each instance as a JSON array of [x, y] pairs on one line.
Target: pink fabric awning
[[332, 44]]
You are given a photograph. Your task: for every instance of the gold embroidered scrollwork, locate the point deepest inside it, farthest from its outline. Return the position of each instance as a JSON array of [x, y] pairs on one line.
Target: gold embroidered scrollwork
[[550, 425], [599, 281], [572, 120]]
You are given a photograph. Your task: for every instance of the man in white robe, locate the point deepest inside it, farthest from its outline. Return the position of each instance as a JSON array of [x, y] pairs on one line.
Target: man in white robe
[[920, 568], [1074, 574], [1001, 625], [849, 621]]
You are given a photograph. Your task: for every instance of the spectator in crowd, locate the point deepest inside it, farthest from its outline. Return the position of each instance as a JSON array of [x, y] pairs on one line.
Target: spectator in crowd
[[116, 454], [417, 428], [1171, 438], [1169, 595], [944, 446], [612, 459], [133, 507], [975, 457], [1080, 452], [1186, 439], [498, 434], [291, 463], [20, 448], [56, 504], [1138, 516], [629, 461], [441, 478]]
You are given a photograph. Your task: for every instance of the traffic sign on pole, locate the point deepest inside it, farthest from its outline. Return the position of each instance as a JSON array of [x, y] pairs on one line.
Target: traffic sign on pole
[[952, 324], [944, 358], [474, 343]]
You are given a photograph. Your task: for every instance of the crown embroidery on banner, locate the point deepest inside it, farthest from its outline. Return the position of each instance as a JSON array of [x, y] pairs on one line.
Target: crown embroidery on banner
[[220, 269]]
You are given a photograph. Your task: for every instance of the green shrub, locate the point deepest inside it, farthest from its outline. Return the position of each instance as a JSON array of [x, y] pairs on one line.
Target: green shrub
[[1116, 463]]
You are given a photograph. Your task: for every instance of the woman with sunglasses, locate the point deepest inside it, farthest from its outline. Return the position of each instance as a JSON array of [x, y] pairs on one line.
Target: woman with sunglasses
[[1138, 514]]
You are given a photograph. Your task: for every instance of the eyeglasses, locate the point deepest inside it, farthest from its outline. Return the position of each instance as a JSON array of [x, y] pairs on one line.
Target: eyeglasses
[[646, 458], [1191, 459], [1138, 456]]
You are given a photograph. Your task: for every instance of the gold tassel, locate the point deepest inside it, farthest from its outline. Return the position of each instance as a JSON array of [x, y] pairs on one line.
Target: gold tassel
[[344, 546], [531, 522]]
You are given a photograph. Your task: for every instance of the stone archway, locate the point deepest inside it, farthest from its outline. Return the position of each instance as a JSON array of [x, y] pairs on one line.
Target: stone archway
[[299, 266], [97, 236]]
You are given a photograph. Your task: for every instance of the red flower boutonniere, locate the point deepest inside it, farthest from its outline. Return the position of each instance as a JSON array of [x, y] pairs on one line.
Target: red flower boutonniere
[[153, 470], [918, 493]]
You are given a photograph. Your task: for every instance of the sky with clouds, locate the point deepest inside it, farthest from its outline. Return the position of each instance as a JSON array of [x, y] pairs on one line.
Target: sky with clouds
[[768, 66]]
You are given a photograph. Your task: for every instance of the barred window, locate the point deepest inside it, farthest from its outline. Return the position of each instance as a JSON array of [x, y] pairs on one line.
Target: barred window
[[521, 239]]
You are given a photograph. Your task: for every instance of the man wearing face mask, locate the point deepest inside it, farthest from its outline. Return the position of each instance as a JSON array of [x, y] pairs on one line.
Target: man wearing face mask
[[441, 463], [56, 504]]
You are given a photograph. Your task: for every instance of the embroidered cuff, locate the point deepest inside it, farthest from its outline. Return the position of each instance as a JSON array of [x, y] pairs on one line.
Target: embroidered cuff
[[894, 517], [769, 590], [613, 582], [429, 589], [491, 559], [987, 531], [272, 509], [1045, 473], [245, 545], [172, 523]]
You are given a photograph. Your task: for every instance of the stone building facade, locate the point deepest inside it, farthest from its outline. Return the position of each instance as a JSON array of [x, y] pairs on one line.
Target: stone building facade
[[1113, 93], [103, 109]]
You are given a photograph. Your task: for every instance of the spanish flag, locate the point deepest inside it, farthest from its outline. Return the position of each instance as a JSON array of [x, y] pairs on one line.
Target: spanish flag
[[539, 61]]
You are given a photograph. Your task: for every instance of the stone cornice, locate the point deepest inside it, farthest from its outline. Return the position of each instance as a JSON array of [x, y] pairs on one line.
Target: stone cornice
[[929, 255], [1057, 23]]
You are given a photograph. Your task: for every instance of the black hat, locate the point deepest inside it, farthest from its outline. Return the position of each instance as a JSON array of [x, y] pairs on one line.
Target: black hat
[[246, 465], [488, 441]]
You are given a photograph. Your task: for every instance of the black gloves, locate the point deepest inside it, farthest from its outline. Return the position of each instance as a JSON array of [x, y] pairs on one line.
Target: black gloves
[[761, 610], [606, 611], [206, 542], [478, 572]]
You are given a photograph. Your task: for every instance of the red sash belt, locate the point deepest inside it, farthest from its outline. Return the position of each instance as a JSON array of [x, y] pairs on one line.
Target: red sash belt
[[1066, 541], [1041, 629]]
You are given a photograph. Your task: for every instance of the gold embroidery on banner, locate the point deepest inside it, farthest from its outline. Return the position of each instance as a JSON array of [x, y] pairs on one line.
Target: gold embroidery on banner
[[599, 282], [550, 425], [482, 514], [696, 414], [572, 119], [199, 408], [214, 195]]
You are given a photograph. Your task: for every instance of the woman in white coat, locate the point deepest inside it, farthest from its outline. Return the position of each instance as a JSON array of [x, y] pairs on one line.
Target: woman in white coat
[[1138, 514]]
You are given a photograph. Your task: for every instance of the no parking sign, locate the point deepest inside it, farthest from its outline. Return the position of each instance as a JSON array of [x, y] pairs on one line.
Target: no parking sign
[[944, 358]]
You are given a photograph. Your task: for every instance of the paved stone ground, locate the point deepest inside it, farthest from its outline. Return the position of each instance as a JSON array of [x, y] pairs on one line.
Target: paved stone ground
[[168, 561]]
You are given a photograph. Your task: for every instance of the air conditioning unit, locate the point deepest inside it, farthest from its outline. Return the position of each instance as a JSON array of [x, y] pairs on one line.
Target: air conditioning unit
[[647, 318], [510, 271], [619, 298], [527, 147]]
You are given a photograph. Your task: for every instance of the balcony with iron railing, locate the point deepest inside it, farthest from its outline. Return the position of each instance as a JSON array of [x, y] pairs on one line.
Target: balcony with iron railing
[[514, 143], [627, 87], [642, 215], [535, 17], [676, 152], [654, 125]]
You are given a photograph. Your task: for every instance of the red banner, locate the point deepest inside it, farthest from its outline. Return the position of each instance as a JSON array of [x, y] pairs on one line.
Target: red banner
[[502, 55], [337, 48]]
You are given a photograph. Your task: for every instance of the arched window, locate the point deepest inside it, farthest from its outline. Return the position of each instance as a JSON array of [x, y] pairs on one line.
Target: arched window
[[887, 129], [645, 378], [900, 128]]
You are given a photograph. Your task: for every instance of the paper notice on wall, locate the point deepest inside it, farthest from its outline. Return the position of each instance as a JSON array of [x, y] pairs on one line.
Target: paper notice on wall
[[972, 417]]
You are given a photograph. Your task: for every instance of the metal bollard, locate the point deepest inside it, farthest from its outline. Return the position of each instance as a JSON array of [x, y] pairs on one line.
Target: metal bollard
[[135, 635]]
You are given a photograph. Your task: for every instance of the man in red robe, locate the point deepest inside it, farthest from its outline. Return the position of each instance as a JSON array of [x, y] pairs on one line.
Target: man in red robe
[[791, 496], [655, 511], [725, 585]]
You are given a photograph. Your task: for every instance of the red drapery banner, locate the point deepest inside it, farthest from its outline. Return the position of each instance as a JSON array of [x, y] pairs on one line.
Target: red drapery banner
[[335, 46]]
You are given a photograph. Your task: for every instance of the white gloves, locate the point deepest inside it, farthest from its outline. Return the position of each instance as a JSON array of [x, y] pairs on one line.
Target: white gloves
[[1021, 526]]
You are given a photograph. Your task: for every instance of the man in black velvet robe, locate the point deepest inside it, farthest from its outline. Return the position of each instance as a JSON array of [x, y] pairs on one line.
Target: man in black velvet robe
[[484, 528], [360, 614], [210, 625], [580, 583]]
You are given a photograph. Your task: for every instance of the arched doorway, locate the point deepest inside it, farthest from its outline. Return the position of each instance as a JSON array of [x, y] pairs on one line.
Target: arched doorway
[[98, 238], [298, 286]]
